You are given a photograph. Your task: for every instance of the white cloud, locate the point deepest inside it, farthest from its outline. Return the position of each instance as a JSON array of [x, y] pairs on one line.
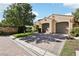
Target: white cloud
[[36, 13], [68, 14], [72, 5], [3, 7]]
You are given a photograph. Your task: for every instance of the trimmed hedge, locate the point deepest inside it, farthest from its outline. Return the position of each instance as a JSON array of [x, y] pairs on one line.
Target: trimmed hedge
[[75, 31], [22, 34]]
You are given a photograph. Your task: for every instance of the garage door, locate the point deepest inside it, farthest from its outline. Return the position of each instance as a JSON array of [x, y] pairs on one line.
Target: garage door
[[62, 27]]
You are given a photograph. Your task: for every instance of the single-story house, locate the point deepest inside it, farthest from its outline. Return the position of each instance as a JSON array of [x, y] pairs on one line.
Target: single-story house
[[56, 23]]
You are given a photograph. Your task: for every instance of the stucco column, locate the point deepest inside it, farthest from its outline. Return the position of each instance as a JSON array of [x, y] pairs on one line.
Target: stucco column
[[70, 25], [52, 26]]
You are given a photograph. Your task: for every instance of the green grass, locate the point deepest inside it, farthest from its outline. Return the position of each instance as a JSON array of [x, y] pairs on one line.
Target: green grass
[[70, 48], [22, 34]]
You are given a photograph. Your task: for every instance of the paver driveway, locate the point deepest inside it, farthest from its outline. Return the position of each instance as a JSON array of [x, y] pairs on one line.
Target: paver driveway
[[51, 42], [9, 48]]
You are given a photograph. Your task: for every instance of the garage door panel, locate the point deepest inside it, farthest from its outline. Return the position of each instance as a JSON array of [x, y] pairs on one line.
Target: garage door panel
[[62, 27]]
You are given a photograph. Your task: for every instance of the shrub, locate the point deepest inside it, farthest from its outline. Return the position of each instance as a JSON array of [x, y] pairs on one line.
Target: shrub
[[75, 31], [1, 32], [22, 34]]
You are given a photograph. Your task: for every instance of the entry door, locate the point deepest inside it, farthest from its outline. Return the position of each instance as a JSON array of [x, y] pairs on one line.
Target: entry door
[[44, 27]]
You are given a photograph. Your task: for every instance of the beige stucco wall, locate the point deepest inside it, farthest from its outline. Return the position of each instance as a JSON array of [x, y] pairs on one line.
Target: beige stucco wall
[[65, 18], [53, 19], [8, 30]]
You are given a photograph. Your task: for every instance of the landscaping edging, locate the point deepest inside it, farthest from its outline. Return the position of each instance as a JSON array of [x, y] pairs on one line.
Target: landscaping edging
[[61, 48], [77, 51]]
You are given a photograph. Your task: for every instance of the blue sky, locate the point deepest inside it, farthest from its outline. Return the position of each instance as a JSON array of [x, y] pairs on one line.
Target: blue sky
[[45, 9]]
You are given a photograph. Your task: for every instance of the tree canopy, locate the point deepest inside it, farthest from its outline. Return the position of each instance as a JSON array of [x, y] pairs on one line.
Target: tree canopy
[[18, 14], [76, 14]]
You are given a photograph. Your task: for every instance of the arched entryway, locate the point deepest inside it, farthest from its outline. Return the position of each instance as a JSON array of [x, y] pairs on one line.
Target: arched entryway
[[62, 27], [45, 27]]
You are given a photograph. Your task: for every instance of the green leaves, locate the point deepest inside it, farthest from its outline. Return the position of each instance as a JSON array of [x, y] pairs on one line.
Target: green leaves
[[19, 14], [75, 31], [76, 14]]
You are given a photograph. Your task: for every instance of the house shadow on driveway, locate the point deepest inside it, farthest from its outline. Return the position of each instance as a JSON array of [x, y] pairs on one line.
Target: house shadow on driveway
[[50, 42], [41, 37]]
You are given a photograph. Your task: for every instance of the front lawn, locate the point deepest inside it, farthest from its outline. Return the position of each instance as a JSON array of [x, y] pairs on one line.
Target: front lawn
[[70, 48], [22, 34]]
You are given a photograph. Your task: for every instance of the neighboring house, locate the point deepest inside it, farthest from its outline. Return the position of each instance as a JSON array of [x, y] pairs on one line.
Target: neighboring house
[[56, 24]]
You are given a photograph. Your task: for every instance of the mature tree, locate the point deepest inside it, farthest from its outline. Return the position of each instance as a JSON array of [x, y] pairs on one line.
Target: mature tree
[[76, 14], [19, 14]]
